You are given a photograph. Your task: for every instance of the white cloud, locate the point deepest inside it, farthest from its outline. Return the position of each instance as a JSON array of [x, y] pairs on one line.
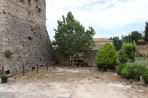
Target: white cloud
[[101, 14]]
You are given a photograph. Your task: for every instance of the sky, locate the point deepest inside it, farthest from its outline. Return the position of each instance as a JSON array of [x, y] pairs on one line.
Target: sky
[[109, 18]]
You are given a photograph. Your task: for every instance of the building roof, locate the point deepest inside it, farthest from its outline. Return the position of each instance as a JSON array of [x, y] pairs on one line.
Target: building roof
[[97, 40]]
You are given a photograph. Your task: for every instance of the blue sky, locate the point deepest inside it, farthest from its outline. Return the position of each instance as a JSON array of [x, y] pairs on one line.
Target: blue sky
[[109, 18]]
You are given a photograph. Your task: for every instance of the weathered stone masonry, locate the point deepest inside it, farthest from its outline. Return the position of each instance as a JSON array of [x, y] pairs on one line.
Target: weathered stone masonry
[[23, 31]]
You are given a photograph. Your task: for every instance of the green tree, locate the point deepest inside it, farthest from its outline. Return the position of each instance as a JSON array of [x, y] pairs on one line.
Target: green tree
[[126, 38], [107, 57], [135, 36], [146, 32], [117, 42], [71, 36]]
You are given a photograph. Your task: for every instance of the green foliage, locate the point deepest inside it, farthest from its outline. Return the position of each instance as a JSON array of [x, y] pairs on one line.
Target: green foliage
[[127, 38], [117, 42], [0, 72], [3, 76], [145, 75], [146, 32], [107, 57], [125, 71], [122, 57], [133, 37], [71, 36], [130, 50], [8, 54], [120, 68], [131, 71]]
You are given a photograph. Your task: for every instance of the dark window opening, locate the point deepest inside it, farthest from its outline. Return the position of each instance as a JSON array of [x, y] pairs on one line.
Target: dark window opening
[[29, 2], [38, 9], [30, 38], [4, 12]]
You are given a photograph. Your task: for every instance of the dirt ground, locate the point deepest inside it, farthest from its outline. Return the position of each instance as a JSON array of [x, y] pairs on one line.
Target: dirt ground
[[66, 82]]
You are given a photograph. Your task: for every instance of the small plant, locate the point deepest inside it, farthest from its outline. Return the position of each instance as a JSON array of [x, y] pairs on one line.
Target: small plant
[[3, 76], [8, 54]]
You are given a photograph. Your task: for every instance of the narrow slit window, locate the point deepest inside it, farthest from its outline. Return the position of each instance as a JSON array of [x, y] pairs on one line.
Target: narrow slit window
[[29, 2]]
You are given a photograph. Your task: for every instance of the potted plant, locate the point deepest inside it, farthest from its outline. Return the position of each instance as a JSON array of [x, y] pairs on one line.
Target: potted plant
[[4, 78]]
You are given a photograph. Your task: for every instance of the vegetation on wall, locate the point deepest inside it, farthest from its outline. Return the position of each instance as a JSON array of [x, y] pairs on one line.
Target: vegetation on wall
[[8, 54]]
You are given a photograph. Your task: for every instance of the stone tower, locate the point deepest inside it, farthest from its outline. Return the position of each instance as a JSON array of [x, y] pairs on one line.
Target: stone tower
[[23, 32]]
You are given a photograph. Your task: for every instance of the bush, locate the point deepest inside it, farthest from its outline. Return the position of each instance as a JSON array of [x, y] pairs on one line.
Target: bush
[[120, 68], [107, 57], [128, 51], [145, 75], [122, 57], [125, 71], [136, 71], [131, 71]]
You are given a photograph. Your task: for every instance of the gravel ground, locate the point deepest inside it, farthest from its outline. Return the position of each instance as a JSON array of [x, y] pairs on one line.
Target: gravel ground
[[65, 82]]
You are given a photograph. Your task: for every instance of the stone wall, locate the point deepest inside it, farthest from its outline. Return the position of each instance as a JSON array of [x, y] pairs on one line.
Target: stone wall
[[23, 32], [90, 58]]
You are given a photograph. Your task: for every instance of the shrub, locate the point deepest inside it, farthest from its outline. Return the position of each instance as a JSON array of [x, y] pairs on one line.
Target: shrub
[[120, 68], [125, 71], [145, 75], [135, 72], [122, 57], [129, 51], [132, 71], [8, 54], [107, 57]]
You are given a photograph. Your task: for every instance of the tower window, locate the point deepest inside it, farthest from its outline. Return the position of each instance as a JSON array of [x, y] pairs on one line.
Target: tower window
[[30, 38], [29, 2], [38, 9]]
